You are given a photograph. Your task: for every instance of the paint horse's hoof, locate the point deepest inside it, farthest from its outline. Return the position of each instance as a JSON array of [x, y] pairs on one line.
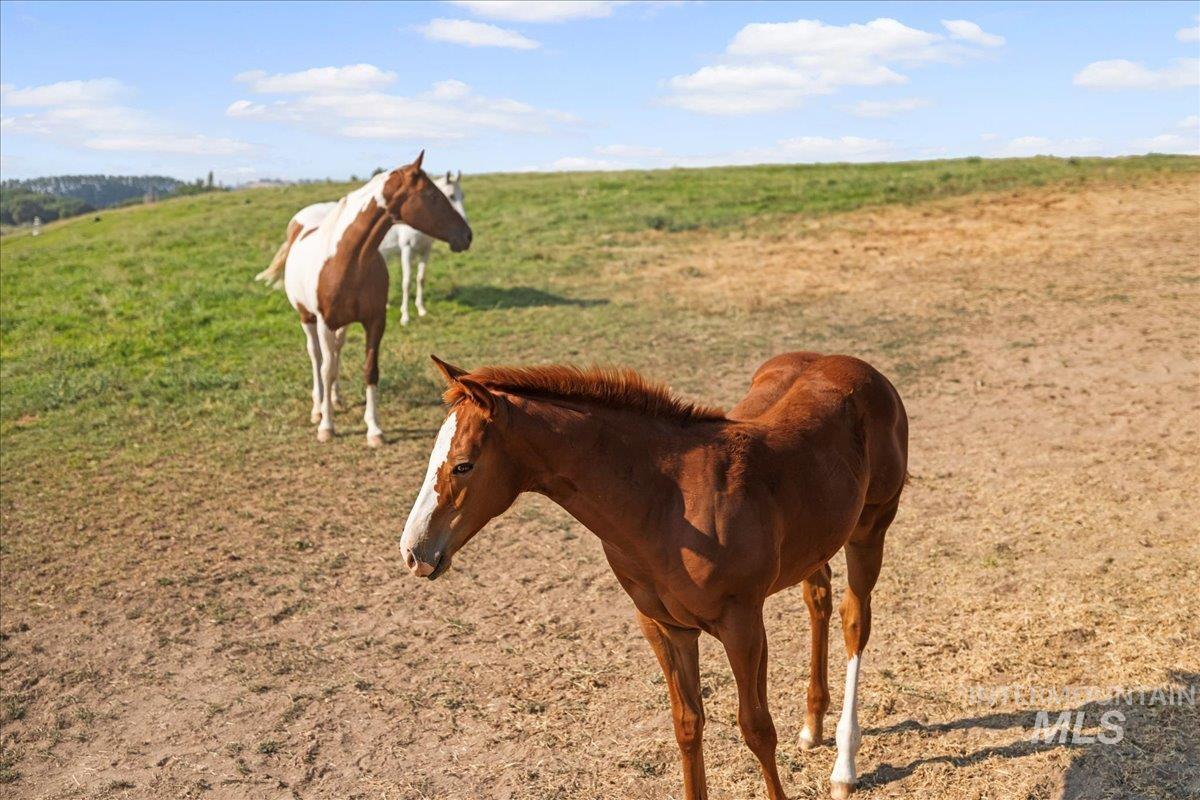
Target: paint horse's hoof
[[324, 435], [421, 312], [807, 740], [840, 791], [375, 441], [404, 319], [315, 417]]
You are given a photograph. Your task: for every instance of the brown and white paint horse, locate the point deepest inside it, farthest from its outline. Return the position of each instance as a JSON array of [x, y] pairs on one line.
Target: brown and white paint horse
[[334, 275], [702, 515]]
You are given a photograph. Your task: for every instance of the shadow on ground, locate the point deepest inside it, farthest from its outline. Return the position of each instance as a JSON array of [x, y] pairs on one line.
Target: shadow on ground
[[1159, 745], [487, 297]]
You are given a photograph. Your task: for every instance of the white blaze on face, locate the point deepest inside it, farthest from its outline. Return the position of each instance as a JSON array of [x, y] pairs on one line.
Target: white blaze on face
[[422, 510]]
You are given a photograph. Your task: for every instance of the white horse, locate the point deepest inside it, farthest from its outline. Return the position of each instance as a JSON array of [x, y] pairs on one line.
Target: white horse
[[402, 240]]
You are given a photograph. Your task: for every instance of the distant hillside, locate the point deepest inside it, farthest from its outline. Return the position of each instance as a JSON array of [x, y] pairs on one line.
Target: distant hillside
[[98, 191], [58, 196]]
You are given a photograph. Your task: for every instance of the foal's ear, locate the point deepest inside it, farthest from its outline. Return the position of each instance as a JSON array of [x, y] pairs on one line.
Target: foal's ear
[[480, 394], [420, 157], [450, 372]]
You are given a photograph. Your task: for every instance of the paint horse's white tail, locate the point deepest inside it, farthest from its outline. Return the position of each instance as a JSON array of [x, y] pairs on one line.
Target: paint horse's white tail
[[272, 276]]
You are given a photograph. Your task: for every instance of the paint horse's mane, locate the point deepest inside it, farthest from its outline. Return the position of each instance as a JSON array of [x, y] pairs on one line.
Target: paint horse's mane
[[609, 387]]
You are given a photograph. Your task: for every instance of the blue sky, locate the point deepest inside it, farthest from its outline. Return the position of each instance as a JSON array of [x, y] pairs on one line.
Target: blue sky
[[313, 90]]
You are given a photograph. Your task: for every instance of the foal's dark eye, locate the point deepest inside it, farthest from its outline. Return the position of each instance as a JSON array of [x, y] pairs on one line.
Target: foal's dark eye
[[463, 469]]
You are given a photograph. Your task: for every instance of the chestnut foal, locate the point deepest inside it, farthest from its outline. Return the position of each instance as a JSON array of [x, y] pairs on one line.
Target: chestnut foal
[[334, 275], [701, 514]]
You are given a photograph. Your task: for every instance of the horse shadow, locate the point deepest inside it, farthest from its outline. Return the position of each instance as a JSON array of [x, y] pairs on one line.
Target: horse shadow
[[1159, 746], [480, 296]]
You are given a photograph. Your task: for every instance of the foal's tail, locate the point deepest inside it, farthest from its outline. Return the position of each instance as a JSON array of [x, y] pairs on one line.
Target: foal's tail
[[272, 276]]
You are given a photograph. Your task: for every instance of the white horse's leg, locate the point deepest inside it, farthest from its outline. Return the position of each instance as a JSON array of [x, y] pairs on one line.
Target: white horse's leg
[[405, 274], [329, 371], [421, 282], [314, 355], [340, 339]]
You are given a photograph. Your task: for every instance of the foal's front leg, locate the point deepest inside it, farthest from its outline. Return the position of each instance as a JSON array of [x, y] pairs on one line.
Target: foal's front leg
[[818, 596], [679, 656], [741, 631]]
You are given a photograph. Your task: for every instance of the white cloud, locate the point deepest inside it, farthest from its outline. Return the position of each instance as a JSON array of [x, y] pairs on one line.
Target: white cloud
[[879, 109], [801, 149], [350, 78], [1043, 146], [86, 114], [628, 151], [1119, 73], [774, 66], [538, 10], [170, 144], [588, 164], [475, 34], [1191, 34], [448, 110], [1190, 123], [818, 149], [91, 92], [1169, 143], [970, 32]]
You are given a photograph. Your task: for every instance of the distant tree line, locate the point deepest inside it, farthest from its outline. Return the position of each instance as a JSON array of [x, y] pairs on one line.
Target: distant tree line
[[61, 196]]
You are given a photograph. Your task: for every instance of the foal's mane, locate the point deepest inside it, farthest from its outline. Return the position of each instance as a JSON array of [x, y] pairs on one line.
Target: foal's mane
[[610, 387]]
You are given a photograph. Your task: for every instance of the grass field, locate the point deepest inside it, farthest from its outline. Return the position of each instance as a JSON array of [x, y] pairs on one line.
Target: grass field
[[200, 600]]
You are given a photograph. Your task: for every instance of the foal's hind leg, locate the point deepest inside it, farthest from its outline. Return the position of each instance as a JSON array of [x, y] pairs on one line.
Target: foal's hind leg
[[819, 599], [864, 556]]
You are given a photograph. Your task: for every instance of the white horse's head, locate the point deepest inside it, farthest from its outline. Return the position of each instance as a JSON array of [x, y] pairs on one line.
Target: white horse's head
[[451, 186]]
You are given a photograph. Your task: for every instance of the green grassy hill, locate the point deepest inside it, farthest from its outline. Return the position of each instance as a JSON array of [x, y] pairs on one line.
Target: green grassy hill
[[142, 333]]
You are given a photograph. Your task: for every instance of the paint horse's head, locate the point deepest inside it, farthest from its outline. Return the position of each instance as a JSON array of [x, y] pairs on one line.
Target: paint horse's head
[[471, 478], [414, 199]]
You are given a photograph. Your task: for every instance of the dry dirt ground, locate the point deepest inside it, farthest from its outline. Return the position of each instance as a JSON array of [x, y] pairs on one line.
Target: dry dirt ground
[[247, 630]]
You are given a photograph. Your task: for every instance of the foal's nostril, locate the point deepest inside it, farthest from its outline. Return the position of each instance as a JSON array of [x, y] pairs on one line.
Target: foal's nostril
[[410, 560]]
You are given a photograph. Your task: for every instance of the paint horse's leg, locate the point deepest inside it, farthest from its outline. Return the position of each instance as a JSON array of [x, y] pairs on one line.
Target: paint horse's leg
[[819, 599], [422, 258], [314, 355], [741, 631], [329, 371], [679, 656], [864, 555], [405, 276], [374, 329]]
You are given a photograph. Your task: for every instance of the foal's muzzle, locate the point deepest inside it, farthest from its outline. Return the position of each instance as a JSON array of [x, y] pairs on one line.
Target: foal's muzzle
[[426, 565]]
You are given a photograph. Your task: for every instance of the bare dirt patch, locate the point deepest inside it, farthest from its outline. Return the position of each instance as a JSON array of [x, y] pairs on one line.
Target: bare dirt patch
[[238, 624]]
